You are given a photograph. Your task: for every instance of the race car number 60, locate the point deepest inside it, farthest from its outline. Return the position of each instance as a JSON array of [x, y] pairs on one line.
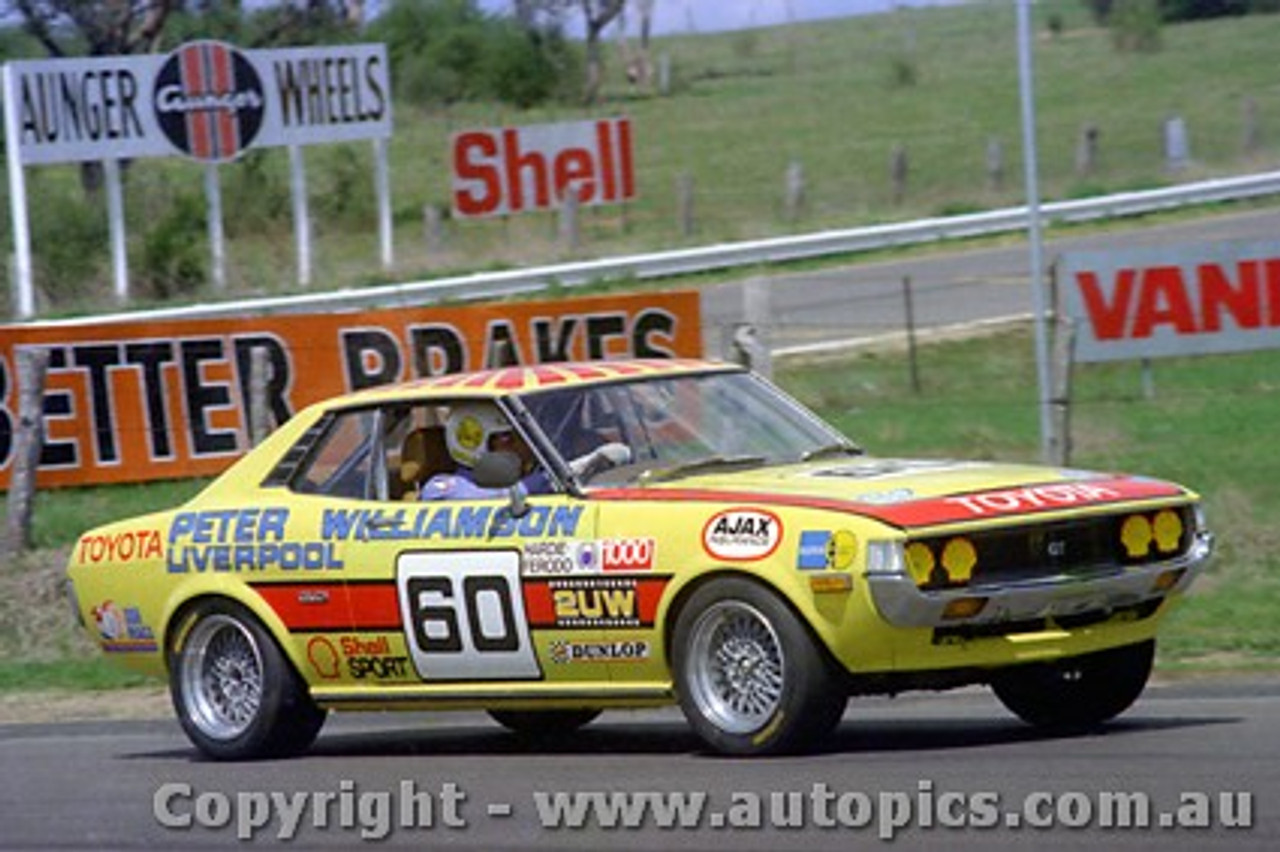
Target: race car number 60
[[464, 616]]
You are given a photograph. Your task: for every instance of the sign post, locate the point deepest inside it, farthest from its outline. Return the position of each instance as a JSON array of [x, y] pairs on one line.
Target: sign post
[[24, 302], [1039, 300], [207, 101]]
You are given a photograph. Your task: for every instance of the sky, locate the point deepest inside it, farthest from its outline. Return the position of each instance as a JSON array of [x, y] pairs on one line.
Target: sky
[[683, 16]]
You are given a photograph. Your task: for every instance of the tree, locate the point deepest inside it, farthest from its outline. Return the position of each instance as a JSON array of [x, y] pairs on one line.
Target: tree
[[109, 28], [106, 28], [597, 15], [639, 66]]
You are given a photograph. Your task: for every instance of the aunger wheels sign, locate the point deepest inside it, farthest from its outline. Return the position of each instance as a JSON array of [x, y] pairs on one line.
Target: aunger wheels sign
[[209, 101]]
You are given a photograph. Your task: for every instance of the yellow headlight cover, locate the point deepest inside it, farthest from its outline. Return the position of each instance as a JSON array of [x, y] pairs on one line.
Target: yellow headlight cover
[[959, 558], [1135, 535], [919, 562], [1168, 530]]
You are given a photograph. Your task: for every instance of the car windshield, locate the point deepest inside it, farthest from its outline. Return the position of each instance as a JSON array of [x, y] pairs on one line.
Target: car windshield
[[683, 425]]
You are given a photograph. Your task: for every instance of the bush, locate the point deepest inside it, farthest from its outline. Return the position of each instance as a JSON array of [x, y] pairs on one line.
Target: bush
[[70, 242], [172, 262], [443, 51], [528, 67], [256, 187], [1135, 25], [342, 187]]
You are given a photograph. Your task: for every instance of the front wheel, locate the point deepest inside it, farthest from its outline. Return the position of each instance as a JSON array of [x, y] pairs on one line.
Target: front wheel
[[750, 677], [235, 694], [1079, 692]]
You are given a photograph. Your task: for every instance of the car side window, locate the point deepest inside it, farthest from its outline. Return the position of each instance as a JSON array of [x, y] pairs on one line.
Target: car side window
[[341, 463]]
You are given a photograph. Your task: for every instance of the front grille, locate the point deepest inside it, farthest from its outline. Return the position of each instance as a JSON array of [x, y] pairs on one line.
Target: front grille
[[1080, 547]]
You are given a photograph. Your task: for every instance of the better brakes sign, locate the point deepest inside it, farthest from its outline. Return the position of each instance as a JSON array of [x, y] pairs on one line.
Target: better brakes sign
[[1164, 301], [501, 170]]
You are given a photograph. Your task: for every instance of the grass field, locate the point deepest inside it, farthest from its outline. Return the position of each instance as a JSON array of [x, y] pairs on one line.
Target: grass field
[[1209, 424], [830, 96]]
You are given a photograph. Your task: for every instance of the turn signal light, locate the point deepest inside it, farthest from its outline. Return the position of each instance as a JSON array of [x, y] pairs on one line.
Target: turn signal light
[[963, 608]]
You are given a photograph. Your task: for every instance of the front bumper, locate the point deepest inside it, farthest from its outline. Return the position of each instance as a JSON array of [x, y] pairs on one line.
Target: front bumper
[[902, 604]]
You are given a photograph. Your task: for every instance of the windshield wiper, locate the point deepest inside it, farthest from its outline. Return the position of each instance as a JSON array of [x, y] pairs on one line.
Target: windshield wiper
[[837, 449], [701, 465]]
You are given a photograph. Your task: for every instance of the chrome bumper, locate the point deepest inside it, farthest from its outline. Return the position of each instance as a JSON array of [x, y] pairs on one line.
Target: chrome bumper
[[901, 603]]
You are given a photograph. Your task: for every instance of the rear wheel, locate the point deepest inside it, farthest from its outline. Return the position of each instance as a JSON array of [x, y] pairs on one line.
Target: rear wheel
[[1079, 692], [751, 679], [542, 723], [236, 695]]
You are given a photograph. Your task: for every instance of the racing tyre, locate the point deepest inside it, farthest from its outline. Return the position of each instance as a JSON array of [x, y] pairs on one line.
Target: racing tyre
[[543, 723], [1080, 692], [750, 677], [235, 693]]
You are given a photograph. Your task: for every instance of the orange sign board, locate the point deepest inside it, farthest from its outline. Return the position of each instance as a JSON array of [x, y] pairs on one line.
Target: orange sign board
[[136, 401]]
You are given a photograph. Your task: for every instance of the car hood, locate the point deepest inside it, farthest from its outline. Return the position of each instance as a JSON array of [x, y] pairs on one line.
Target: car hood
[[913, 493]]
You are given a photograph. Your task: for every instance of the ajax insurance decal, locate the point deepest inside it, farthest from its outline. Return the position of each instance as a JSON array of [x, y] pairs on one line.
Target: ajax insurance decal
[[742, 535]]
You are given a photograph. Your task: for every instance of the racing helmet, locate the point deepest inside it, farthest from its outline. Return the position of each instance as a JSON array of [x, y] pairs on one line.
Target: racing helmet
[[468, 429]]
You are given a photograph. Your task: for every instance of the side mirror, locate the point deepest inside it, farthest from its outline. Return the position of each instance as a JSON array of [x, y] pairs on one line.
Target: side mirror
[[502, 469]]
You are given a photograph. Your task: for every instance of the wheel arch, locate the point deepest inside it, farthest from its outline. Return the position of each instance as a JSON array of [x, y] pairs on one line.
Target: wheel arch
[[180, 608], [687, 591]]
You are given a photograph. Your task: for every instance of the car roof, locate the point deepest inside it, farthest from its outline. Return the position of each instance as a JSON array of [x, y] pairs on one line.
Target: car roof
[[504, 381]]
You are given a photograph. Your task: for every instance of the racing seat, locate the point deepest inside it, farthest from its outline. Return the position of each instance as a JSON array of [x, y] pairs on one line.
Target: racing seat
[[422, 455]]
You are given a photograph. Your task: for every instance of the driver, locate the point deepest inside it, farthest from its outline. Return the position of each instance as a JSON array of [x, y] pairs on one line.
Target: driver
[[471, 430]]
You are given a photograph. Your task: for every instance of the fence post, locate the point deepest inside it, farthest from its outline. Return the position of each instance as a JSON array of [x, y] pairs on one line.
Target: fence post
[[910, 311], [570, 232], [1087, 151], [33, 366], [433, 228], [751, 337], [259, 410], [995, 165], [1064, 344], [898, 168], [795, 190], [684, 204], [1177, 147]]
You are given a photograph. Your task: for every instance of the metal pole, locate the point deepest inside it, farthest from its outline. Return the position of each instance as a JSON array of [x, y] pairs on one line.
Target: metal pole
[[115, 220], [1039, 300], [213, 198], [24, 298], [301, 214], [382, 182]]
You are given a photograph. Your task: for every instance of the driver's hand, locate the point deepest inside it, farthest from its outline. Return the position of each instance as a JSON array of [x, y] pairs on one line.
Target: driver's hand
[[601, 458]]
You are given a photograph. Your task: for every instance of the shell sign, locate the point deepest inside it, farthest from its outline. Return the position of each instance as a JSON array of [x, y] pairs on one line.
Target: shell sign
[[135, 401]]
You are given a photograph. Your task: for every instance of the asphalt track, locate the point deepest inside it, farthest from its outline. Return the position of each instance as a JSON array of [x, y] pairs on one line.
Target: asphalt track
[[920, 771], [978, 285]]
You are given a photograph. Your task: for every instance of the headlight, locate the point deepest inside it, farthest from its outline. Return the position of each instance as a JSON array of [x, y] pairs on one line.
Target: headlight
[[885, 558], [1201, 520]]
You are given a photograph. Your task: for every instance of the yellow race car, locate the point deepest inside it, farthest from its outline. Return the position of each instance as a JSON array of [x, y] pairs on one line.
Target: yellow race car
[[547, 542]]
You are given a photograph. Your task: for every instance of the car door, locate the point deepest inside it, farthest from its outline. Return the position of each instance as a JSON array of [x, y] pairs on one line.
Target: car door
[[450, 592]]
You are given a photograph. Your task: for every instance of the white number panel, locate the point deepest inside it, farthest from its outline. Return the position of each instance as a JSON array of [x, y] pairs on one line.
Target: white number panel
[[464, 617]]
